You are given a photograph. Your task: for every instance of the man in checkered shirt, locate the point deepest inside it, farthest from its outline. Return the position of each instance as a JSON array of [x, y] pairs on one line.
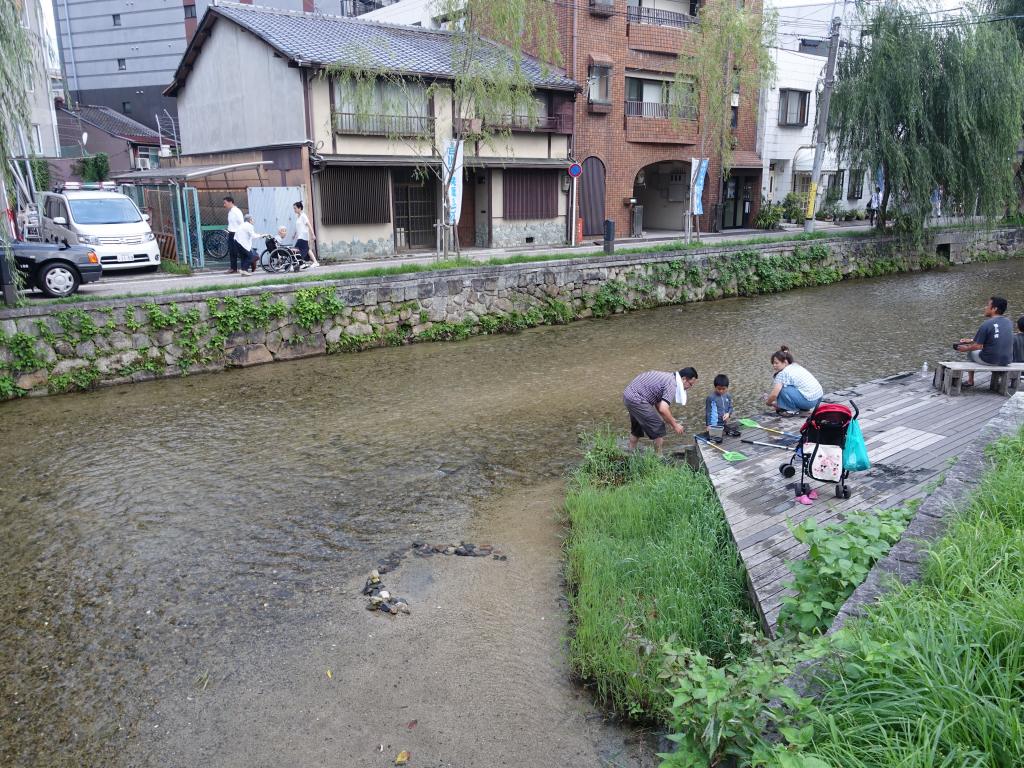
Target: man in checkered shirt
[[648, 399]]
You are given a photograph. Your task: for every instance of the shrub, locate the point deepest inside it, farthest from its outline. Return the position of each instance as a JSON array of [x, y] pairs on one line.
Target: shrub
[[794, 207], [649, 559], [769, 216]]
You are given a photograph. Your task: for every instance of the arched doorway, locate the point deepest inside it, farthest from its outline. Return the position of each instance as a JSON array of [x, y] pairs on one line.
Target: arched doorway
[[592, 196], [662, 189]]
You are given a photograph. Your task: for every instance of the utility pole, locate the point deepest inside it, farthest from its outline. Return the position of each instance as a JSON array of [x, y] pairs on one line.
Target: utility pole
[[819, 149]]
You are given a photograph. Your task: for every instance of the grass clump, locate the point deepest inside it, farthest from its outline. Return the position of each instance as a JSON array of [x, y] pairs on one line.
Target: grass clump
[[649, 560], [934, 675]]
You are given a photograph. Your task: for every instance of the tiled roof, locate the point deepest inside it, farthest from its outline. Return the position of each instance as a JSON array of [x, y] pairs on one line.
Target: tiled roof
[[113, 122], [319, 40]]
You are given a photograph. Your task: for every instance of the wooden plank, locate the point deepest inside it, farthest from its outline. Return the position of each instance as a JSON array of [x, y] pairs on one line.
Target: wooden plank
[[911, 431]]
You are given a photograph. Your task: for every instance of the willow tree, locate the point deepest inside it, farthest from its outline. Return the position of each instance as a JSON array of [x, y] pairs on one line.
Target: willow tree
[[931, 106], [17, 67], [728, 54], [488, 85]]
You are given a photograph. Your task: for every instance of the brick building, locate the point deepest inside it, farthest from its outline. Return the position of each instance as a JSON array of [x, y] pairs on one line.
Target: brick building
[[626, 53]]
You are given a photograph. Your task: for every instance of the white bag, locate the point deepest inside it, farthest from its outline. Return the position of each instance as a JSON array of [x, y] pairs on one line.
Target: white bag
[[827, 464]]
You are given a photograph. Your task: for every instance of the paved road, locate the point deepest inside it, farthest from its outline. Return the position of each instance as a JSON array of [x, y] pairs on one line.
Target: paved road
[[115, 284]]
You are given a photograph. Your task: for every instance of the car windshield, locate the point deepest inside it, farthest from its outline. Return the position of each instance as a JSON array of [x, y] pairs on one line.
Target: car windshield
[[107, 210]]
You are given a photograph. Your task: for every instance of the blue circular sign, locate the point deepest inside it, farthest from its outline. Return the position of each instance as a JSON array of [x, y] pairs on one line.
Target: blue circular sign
[[575, 170]]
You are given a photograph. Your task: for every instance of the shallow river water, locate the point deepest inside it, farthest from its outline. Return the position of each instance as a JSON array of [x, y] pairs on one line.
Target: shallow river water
[[182, 559]]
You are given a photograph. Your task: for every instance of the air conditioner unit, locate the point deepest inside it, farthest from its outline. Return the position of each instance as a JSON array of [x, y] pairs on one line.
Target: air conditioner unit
[[142, 164], [165, 150]]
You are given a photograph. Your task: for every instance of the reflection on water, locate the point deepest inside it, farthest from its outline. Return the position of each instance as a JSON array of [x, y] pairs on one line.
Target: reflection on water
[[146, 528]]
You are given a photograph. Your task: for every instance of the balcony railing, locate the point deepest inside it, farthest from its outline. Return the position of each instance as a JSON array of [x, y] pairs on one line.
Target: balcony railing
[[383, 125], [516, 123], [658, 17], [654, 109]]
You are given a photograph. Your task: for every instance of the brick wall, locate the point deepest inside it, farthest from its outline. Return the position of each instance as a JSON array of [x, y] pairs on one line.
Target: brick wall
[[627, 145]]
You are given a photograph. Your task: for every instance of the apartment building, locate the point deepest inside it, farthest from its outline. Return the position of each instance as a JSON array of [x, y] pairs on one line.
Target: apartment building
[[369, 178], [636, 160], [122, 54], [787, 135], [42, 137]]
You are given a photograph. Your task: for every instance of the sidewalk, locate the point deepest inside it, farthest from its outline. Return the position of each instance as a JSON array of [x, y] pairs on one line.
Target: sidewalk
[[116, 284]]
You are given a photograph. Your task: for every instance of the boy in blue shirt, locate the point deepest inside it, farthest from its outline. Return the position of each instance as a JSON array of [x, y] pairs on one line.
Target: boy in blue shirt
[[718, 407]]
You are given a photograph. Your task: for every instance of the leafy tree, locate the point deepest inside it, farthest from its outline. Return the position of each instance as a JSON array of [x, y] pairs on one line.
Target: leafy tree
[[728, 53], [18, 66], [931, 105], [488, 90], [40, 173], [94, 167]]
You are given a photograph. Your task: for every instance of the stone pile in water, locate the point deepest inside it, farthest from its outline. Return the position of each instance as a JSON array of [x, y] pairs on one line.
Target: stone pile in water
[[380, 598], [462, 549]]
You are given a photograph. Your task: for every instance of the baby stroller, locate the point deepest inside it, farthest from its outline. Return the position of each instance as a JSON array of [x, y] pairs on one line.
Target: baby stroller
[[820, 449]]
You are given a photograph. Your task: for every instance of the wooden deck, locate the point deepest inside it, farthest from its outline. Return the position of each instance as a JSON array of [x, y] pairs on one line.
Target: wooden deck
[[912, 432]]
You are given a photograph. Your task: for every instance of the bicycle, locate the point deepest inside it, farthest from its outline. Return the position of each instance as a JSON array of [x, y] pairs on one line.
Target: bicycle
[[215, 245]]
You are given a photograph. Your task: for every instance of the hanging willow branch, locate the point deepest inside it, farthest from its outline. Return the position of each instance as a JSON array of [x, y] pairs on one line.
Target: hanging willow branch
[[19, 65], [930, 108]]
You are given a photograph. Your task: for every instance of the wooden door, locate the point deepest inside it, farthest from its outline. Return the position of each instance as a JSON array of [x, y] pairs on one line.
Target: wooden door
[[467, 217]]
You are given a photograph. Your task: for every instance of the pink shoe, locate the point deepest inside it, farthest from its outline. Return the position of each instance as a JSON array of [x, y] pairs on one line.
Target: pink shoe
[[812, 495], [805, 500]]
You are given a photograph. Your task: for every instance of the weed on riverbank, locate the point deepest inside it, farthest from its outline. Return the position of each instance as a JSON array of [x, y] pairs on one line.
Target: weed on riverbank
[[933, 675], [649, 558]]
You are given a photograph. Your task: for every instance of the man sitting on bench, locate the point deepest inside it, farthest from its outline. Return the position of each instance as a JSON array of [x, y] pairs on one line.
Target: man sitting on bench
[[993, 343]]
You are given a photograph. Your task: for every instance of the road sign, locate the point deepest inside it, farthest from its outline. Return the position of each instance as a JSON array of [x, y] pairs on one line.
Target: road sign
[[575, 170]]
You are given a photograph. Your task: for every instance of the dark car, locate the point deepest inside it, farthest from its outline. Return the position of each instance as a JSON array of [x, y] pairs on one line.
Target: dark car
[[57, 270]]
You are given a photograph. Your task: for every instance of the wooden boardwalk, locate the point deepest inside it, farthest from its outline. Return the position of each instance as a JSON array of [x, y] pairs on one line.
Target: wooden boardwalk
[[912, 432]]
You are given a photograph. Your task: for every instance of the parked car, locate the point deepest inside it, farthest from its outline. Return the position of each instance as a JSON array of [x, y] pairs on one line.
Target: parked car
[[57, 270], [106, 220]]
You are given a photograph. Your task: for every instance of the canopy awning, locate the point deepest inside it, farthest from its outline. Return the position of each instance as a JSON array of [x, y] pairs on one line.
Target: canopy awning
[[184, 173]]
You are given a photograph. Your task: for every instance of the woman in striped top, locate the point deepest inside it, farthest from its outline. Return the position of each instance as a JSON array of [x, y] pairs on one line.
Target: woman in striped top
[[795, 388]]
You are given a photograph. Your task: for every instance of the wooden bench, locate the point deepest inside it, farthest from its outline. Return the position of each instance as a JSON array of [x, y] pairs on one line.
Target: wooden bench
[[949, 376]]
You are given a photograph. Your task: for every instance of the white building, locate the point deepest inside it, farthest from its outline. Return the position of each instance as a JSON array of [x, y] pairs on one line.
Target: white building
[[787, 128], [42, 136]]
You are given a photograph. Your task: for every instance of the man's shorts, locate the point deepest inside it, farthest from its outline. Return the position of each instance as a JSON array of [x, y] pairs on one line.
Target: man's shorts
[[644, 420], [975, 357]]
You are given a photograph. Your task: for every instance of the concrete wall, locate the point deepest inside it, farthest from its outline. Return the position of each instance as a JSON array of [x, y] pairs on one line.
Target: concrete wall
[[224, 106], [411, 12], [48, 348]]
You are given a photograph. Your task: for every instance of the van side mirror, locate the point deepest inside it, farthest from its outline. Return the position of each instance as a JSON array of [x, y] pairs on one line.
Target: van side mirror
[[60, 220], [145, 217]]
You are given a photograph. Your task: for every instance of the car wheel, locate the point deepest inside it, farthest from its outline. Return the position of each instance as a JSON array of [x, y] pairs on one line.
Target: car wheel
[[58, 280]]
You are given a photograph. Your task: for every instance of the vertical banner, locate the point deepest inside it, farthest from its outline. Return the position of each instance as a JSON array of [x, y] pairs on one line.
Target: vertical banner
[[698, 170], [452, 160]]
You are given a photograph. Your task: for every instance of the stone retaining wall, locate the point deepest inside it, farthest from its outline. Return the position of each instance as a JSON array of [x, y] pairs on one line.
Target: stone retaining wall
[[51, 348]]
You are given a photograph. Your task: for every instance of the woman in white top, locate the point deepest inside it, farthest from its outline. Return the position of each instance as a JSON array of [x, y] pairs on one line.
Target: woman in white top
[[795, 388], [245, 236], [303, 234]]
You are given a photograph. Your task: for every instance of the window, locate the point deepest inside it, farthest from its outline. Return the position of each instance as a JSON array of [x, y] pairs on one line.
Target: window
[[530, 194], [856, 190], [599, 84], [793, 107], [802, 183], [105, 211], [126, 107], [122, 65], [353, 195], [190, 11], [37, 139], [734, 118], [835, 185], [117, 19], [386, 109]]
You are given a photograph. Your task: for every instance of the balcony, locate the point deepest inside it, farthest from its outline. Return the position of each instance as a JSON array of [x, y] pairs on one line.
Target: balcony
[[659, 18], [649, 122], [658, 111], [602, 7], [409, 126], [515, 124]]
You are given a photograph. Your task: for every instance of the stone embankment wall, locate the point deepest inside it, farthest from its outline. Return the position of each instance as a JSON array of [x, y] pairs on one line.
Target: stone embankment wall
[[52, 348]]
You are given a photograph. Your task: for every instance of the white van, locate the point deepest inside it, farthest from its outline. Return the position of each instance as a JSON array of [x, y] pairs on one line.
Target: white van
[[107, 221]]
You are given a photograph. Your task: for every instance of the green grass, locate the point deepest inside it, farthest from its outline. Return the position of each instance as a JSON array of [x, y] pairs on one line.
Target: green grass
[[934, 675], [649, 558], [174, 268]]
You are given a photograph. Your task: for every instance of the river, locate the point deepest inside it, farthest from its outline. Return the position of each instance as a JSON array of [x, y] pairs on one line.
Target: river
[[182, 559]]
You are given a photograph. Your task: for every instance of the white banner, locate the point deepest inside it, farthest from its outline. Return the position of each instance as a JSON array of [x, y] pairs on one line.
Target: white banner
[[452, 159]]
